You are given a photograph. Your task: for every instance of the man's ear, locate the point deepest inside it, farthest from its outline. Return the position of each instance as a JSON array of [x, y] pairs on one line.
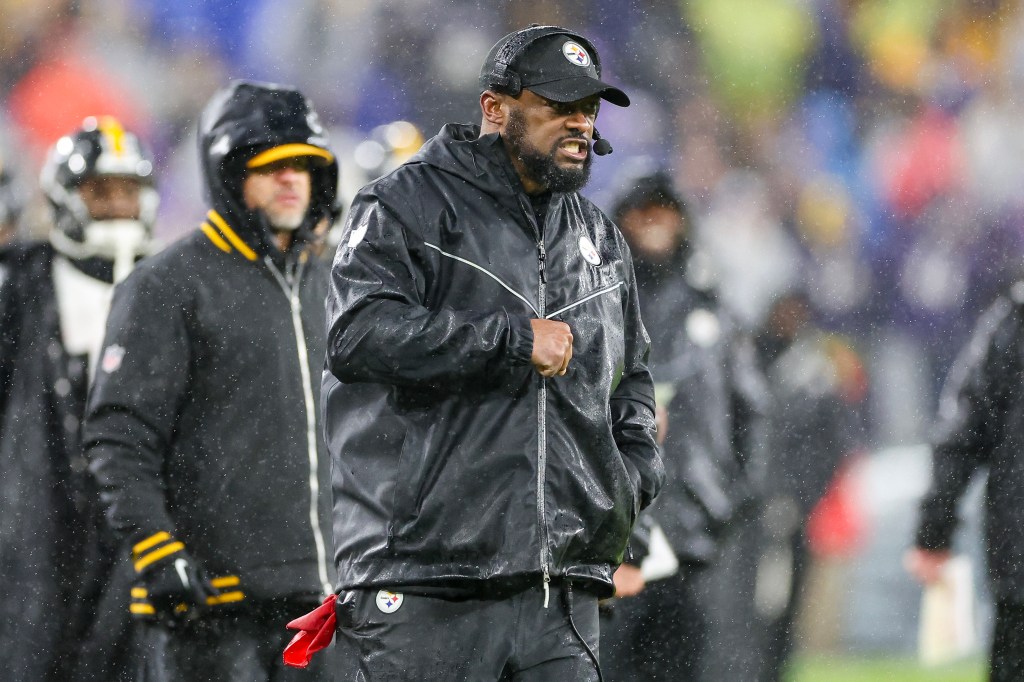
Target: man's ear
[[494, 108]]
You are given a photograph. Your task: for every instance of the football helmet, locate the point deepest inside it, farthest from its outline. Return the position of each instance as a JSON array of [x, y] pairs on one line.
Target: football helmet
[[101, 147]]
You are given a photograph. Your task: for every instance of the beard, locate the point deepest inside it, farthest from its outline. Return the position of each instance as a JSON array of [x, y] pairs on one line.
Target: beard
[[285, 220], [539, 166]]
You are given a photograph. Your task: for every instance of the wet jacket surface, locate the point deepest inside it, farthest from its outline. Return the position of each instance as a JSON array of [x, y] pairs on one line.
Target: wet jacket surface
[[42, 529], [981, 426], [454, 461], [202, 420], [56, 554]]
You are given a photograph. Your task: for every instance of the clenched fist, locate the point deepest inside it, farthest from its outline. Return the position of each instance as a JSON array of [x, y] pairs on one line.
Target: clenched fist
[[552, 347]]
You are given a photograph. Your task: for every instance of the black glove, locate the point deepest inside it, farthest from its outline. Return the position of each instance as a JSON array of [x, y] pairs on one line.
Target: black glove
[[171, 583]]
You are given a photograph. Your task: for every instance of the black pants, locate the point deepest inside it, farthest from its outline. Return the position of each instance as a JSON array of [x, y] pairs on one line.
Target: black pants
[[476, 640], [659, 634], [1006, 660], [245, 646]]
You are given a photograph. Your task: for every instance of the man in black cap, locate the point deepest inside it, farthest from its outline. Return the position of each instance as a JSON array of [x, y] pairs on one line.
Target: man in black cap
[[201, 426], [488, 406]]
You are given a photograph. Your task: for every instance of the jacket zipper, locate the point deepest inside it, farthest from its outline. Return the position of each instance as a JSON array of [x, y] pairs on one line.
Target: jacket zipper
[[291, 290], [542, 444]]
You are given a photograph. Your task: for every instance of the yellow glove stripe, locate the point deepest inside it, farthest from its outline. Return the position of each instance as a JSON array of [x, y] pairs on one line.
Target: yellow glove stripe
[[145, 609], [157, 555], [225, 598], [225, 581], [151, 541], [139, 593]]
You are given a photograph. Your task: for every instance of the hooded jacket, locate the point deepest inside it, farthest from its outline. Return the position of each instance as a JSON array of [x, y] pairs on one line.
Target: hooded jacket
[[455, 462], [980, 427], [202, 421]]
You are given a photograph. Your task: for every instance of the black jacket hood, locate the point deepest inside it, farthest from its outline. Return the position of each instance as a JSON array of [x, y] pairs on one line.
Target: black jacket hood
[[243, 120], [479, 160]]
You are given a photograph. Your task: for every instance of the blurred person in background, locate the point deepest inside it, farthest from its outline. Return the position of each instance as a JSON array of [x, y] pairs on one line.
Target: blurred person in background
[[704, 371], [12, 201], [489, 409], [56, 561], [202, 423], [817, 384], [980, 425]]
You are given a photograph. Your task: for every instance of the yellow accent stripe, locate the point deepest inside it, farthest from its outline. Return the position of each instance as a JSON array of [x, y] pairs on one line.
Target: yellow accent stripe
[[139, 593], [225, 581], [151, 541], [157, 555], [235, 240], [215, 238], [225, 598], [288, 151], [114, 131], [146, 609]]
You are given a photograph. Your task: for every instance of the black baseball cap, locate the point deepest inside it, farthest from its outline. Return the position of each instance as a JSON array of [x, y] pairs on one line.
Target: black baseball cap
[[561, 66]]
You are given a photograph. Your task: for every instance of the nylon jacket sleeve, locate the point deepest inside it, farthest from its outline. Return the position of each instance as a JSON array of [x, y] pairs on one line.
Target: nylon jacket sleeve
[[632, 405], [379, 328], [969, 420], [133, 406]]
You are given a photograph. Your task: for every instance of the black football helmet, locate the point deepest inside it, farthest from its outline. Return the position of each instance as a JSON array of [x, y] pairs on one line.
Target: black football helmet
[[100, 148]]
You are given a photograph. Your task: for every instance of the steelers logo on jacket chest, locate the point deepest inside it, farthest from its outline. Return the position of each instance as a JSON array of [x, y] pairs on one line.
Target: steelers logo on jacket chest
[[589, 251]]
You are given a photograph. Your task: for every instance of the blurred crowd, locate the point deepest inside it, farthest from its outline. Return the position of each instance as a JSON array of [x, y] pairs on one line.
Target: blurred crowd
[[864, 151]]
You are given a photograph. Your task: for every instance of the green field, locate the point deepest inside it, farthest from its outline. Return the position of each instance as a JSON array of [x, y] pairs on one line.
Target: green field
[[848, 669]]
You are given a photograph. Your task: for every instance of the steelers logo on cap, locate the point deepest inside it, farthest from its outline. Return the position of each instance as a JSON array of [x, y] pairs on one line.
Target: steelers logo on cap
[[575, 54]]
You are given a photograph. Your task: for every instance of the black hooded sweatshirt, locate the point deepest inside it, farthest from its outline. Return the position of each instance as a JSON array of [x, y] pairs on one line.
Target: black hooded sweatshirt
[[202, 420], [454, 461]]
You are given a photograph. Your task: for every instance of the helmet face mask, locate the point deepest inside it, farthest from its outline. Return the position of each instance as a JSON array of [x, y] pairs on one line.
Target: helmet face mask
[[101, 148]]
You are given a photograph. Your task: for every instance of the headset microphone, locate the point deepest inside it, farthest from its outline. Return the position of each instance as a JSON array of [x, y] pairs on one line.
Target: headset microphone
[[601, 145]]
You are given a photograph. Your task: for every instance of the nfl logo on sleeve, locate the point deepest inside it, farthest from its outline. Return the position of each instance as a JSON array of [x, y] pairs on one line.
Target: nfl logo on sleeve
[[112, 357]]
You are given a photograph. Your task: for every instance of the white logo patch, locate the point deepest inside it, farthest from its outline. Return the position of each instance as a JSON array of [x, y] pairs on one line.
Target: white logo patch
[[112, 357], [575, 53], [389, 602], [221, 147], [589, 251], [357, 235]]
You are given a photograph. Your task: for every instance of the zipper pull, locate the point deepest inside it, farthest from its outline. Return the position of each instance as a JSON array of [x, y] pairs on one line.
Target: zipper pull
[[542, 256], [547, 587]]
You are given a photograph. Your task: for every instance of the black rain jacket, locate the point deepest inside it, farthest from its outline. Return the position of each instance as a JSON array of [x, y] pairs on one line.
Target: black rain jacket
[[54, 553], [981, 426], [202, 420], [454, 461]]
